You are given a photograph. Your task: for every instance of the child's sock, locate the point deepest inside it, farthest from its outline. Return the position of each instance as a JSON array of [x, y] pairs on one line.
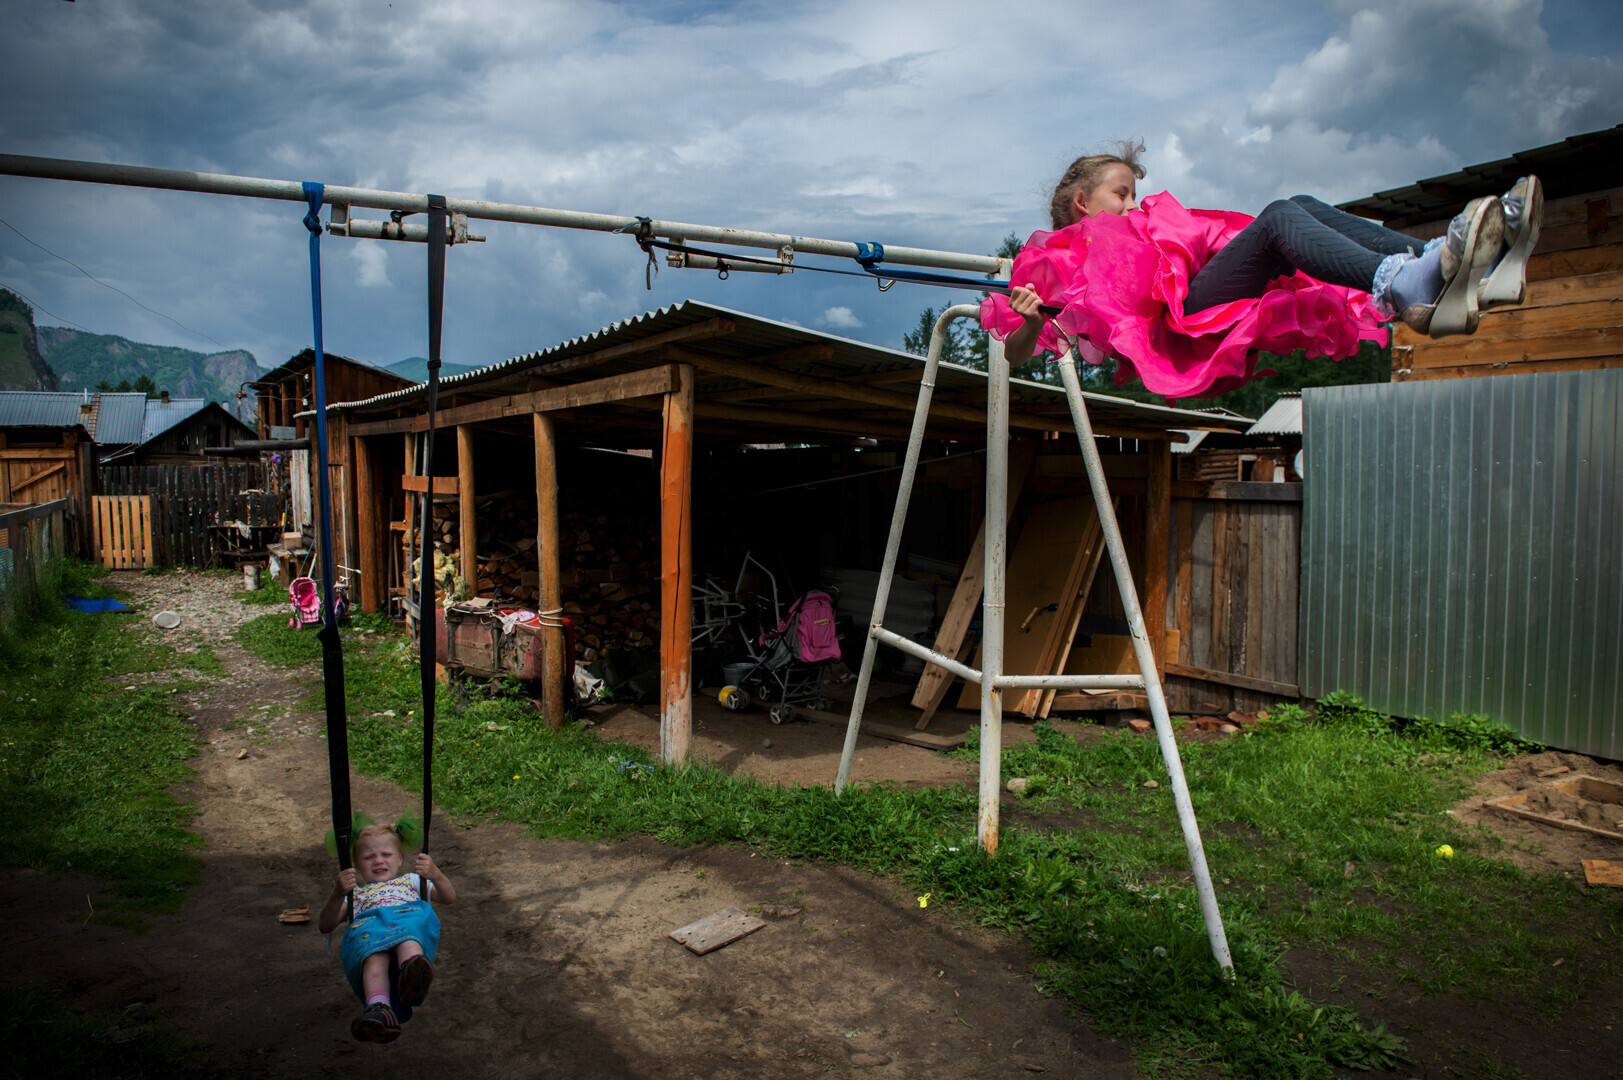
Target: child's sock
[[381, 998], [1419, 279]]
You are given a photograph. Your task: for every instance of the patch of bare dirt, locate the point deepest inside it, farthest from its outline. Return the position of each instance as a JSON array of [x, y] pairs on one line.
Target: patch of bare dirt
[[554, 960]]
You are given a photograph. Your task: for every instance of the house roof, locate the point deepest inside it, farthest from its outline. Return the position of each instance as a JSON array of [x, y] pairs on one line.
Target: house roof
[[163, 415], [1573, 166], [1284, 416], [113, 419], [305, 360], [736, 404]]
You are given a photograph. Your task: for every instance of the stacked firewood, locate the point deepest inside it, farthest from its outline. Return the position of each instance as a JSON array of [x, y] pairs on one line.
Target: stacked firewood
[[610, 570]]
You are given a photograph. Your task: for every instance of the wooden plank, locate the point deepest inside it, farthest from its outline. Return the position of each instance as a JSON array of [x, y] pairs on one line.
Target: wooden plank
[[1044, 700], [1099, 701], [1466, 352], [965, 649], [369, 530], [1157, 526], [1186, 587], [1040, 564], [1218, 654], [39, 453], [1579, 262], [713, 931], [1290, 601], [443, 485], [799, 421], [966, 596], [1258, 569], [1234, 490], [467, 533], [1603, 871], [1229, 678], [885, 731], [145, 504], [1238, 552], [647, 382], [1520, 322], [31, 480], [676, 574], [556, 665], [1410, 373]]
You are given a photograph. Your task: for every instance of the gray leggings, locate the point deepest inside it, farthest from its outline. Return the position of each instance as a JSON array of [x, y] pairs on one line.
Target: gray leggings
[[1299, 233]]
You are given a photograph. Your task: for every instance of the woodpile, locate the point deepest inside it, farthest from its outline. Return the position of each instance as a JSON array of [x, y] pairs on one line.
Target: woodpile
[[610, 569]]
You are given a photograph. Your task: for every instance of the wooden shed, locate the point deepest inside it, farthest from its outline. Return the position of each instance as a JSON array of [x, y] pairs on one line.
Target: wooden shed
[[285, 391], [722, 430], [49, 444], [1573, 317], [181, 431]]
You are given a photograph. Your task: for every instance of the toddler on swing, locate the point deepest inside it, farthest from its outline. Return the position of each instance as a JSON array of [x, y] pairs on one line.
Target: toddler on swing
[[389, 948], [1185, 298]]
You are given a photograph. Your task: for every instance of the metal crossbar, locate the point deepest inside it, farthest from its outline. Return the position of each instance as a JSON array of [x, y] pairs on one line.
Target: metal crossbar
[[991, 678]]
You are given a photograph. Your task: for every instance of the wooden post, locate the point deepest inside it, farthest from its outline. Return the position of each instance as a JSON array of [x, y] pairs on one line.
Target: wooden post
[[1157, 537], [412, 548], [676, 572], [555, 661], [367, 534], [467, 518]]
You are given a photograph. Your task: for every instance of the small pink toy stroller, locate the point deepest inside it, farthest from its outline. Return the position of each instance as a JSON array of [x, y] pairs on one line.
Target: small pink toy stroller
[[790, 660], [306, 600]]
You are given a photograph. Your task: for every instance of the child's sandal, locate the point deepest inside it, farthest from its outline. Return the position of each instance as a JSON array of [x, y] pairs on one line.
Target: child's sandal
[[376, 1025], [416, 976]]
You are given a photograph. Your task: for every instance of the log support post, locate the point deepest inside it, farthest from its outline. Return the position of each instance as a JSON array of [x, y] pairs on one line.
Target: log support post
[[555, 662], [676, 572], [369, 537], [467, 517], [1157, 542]]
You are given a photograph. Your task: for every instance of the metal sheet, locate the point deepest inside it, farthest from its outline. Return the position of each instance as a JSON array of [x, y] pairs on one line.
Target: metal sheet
[[1459, 551]]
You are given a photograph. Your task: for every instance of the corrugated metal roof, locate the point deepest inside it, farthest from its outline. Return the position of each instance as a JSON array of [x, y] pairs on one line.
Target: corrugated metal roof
[[1195, 439], [114, 417], [163, 415], [1573, 166], [754, 336], [1284, 416], [119, 418]]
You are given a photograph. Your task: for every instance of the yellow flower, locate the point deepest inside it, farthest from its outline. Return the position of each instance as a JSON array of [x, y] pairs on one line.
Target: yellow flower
[[924, 901], [515, 776]]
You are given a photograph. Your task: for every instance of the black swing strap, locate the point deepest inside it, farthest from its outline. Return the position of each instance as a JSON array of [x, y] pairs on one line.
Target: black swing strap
[[427, 613], [332, 653]]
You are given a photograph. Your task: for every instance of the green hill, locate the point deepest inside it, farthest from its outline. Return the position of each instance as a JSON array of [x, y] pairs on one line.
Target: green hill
[[86, 361], [21, 366], [415, 368]]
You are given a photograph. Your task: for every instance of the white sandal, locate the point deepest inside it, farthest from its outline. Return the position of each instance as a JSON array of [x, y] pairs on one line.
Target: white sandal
[[1507, 283], [1455, 311]]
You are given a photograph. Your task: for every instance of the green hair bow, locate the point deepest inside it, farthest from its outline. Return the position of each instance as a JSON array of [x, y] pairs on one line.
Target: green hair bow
[[409, 828]]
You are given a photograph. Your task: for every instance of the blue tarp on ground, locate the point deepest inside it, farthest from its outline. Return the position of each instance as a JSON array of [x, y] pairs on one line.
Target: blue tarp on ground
[[79, 603]]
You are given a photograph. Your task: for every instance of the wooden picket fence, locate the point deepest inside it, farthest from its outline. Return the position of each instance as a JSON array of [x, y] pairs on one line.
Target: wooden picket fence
[[123, 525], [205, 515]]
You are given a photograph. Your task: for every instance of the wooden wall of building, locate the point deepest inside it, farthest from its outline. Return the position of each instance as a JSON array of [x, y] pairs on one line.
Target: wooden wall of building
[[1572, 319]]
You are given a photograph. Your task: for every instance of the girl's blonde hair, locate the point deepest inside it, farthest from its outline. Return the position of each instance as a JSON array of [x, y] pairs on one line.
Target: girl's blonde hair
[[1085, 173], [391, 831]]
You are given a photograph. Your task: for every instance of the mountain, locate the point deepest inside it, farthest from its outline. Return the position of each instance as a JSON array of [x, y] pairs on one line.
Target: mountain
[[85, 361], [415, 368], [21, 366]]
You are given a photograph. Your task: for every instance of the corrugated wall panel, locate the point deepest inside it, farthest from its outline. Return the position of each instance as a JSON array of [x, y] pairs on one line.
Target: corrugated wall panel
[[1461, 544]]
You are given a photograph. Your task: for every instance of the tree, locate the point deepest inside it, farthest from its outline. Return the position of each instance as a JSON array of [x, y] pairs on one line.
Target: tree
[[145, 385], [123, 387], [103, 387]]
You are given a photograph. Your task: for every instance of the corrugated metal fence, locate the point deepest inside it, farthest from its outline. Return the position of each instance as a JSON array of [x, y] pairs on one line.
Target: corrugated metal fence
[[1461, 551]]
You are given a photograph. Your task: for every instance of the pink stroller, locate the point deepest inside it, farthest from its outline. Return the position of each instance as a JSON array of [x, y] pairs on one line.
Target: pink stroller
[[306, 600]]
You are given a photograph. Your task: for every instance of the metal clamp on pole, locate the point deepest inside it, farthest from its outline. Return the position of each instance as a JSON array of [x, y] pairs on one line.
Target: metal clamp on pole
[[341, 224]]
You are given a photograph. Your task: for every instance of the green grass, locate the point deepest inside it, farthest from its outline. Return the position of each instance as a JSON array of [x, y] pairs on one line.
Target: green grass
[[1108, 903], [45, 1040], [86, 761]]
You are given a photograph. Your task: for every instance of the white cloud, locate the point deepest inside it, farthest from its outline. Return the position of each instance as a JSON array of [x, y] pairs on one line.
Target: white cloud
[[840, 318], [371, 266]]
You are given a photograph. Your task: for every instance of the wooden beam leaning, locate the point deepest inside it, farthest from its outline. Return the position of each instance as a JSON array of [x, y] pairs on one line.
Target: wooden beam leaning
[[555, 663], [1157, 542], [676, 574], [467, 532], [1229, 678], [632, 384], [750, 371]]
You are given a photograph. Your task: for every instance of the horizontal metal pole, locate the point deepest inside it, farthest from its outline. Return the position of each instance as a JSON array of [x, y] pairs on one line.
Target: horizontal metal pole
[[368, 229], [95, 172], [1069, 682], [688, 261], [928, 655]]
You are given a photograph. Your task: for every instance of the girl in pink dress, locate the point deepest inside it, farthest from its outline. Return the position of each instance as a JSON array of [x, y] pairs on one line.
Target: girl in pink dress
[[1186, 298]]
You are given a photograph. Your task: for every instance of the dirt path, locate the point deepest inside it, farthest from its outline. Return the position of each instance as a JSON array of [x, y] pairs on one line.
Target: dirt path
[[553, 962]]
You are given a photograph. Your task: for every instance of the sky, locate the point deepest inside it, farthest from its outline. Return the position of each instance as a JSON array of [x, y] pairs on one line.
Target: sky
[[937, 124]]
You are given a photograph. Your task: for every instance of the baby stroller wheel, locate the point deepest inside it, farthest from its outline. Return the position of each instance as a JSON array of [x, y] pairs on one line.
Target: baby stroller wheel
[[782, 714]]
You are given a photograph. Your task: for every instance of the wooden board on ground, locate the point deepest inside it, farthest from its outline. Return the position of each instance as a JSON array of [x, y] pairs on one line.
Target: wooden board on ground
[[1581, 787], [935, 682], [713, 931], [1603, 871], [1090, 550], [1099, 701], [883, 731], [1041, 563]]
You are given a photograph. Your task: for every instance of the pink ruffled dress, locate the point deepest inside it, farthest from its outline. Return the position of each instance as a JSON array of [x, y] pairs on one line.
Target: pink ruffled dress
[[1122, 280]]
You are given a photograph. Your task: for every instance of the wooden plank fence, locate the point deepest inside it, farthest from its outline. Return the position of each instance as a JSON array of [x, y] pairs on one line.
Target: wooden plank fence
[[199, 512], [123, 528]]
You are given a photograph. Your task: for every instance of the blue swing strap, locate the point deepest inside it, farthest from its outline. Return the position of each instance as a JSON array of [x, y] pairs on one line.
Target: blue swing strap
[[332, 653]]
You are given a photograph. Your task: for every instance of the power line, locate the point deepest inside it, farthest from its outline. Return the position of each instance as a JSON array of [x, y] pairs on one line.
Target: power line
[[42, 307], [100, 282]]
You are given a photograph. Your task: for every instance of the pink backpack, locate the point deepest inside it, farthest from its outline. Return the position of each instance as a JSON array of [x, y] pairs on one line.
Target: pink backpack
[[815, 638]]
